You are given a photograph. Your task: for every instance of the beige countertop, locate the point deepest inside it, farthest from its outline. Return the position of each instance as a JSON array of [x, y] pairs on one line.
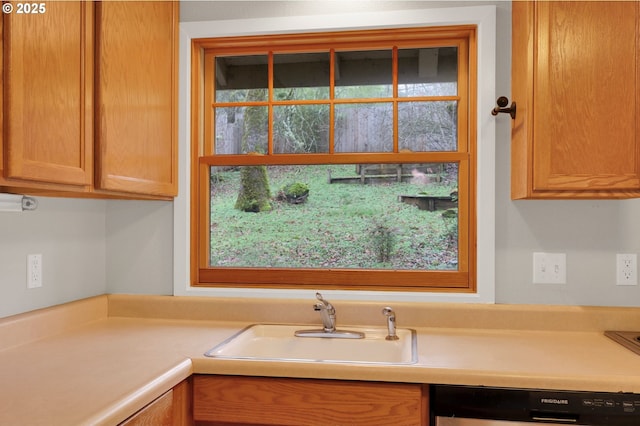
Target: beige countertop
[[100, 360]]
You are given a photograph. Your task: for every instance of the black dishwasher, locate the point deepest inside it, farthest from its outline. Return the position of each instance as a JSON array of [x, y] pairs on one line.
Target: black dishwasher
[[487, 406]]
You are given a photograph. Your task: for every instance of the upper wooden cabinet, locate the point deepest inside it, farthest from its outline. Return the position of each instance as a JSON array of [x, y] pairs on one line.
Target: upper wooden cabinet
[[90, 100], [47, 94], [576, 83], [136, 96]]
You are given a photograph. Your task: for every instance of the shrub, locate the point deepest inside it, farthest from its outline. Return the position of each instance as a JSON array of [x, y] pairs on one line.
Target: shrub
[[295, 193], [383, 240]]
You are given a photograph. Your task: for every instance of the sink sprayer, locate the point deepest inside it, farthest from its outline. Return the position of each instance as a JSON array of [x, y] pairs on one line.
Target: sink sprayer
[[391, 323]]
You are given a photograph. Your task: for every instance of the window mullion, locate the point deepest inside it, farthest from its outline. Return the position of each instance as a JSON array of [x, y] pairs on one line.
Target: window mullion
[[394, 83], [270, 103], [208, 97], [332, 87]]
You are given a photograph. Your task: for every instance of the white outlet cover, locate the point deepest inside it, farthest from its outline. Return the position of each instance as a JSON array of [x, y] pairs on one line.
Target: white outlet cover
[[549, 268], [34, 270], [627, 269]]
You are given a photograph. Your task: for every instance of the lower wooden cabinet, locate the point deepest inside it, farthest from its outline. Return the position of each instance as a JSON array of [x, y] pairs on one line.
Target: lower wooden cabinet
[[173, 408], [240, 400]]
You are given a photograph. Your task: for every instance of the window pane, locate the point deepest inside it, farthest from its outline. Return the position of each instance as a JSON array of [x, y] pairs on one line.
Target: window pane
[[240, 130], [428, 126], [301, 76], [241, 78], [374, 216], [363, 74], [301, 129], [428, 72], [363, 127]]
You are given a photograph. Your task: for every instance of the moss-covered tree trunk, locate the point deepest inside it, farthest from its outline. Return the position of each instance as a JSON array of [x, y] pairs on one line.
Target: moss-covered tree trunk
[[255, 193]]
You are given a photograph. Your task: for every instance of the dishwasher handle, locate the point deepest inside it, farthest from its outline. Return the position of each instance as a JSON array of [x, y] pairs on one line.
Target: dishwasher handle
[[554, 418]]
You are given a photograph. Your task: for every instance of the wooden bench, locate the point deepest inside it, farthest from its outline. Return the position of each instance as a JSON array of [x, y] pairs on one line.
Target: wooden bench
[[429, 202]]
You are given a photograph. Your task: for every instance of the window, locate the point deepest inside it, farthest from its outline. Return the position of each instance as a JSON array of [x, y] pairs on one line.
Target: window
[[336, 160]]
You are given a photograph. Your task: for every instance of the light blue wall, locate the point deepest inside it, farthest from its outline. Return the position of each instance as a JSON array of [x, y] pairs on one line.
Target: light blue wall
[[70, 235], [139, 246], [91, 246]]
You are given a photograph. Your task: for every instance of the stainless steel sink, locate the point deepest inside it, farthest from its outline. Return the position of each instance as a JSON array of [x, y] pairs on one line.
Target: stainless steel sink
[[278, 342]]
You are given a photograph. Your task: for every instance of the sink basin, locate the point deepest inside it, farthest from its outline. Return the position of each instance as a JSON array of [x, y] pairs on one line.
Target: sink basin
[[277, 342]]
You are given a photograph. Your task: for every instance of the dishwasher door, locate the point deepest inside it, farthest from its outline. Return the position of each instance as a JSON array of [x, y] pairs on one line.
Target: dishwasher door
[[454, 405], [459, 421]]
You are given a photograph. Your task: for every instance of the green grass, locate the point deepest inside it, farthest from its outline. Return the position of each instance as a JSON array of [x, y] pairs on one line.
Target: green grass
[[335, 228]]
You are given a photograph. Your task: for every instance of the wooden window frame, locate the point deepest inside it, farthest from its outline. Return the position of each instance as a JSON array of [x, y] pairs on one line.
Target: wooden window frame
[[462, 280]]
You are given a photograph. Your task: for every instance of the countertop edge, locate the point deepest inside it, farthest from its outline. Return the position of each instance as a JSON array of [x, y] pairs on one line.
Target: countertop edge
[[413, 374], [131, 403]]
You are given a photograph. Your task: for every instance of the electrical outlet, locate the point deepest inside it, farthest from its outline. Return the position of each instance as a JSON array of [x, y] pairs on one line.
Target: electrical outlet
[[627, 269], [549, 268], [34, 270]]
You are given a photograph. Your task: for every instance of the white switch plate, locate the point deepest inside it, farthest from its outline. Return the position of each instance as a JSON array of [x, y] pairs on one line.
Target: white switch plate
[[34, 270], [627, 269], [549, 268]]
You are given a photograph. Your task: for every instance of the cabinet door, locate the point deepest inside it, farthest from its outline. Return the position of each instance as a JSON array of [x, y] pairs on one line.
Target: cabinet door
[[136, 97], [274, 401], [47, 93], [173, 408], [576, 83], [159, 413]]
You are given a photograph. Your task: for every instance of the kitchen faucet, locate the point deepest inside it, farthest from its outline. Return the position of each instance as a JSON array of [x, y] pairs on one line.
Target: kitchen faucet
[[327, 313]]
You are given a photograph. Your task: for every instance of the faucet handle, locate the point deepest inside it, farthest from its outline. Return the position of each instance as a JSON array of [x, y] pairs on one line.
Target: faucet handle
[[327, 313], [388, 312], [324, 303]]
